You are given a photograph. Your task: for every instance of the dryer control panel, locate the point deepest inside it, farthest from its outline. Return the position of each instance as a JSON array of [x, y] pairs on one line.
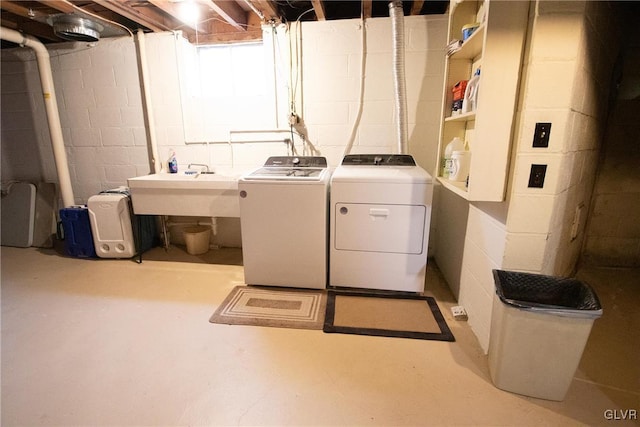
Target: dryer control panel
[[378, 160]]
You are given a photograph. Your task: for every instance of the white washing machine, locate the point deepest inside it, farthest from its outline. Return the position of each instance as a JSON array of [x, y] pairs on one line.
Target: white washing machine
[[284, 221], [380, 212]]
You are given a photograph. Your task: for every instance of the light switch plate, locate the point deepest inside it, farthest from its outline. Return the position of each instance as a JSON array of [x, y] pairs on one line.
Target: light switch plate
[[541, 135], [536, 176]]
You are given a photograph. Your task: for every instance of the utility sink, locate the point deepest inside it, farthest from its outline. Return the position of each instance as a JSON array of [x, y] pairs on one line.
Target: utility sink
[[181, 194]]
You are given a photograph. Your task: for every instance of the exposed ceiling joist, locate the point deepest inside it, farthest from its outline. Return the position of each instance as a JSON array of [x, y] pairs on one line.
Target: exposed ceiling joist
[[18, 8], [318, 8], [220, 21], [229, 11], [150, 19], [416, 7], [63, 6], [173, 9], [367, 9]]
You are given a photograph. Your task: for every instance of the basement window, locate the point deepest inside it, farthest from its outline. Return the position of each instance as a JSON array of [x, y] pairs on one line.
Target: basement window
[[236, 70]]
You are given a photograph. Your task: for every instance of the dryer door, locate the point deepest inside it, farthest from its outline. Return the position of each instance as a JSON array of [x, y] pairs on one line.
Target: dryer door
[[379, 228]]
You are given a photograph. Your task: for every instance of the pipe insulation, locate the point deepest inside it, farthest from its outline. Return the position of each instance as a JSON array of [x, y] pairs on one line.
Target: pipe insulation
[[51, 108], [397, 30]]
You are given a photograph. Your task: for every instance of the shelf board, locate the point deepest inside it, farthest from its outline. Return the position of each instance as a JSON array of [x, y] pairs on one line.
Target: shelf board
[[457, 187], [467, 117], [472, 47]]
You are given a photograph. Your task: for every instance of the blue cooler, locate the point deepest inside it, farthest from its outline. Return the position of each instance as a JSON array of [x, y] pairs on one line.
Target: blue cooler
[[78, 240]]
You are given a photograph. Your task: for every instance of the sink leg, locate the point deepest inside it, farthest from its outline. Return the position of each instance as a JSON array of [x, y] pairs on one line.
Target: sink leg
[[165, 235]]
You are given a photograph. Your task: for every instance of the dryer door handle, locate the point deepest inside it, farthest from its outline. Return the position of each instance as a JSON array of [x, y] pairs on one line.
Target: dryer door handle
[[377, 212]]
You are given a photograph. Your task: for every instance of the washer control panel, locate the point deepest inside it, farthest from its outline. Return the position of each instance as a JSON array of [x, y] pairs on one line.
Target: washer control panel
[[297, 161]]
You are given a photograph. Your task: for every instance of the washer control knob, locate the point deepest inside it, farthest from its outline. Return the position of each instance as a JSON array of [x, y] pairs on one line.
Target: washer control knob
[[377, 160], [295, 161]]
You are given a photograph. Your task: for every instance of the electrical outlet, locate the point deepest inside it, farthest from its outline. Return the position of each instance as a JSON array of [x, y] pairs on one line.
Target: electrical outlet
[[541, 135], [459, 313], [536, 176]]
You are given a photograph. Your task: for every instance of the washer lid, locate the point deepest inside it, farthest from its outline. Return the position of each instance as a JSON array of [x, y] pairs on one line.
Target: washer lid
[[290, 168], [288, 174]]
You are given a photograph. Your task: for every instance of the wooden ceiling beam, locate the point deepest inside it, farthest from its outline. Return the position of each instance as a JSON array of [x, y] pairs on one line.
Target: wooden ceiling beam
[[229, 11], [267, 8], [141, 15], [367, 9], [318, 8], [416, 7], [173, 9], [17, 9], [59, 5]]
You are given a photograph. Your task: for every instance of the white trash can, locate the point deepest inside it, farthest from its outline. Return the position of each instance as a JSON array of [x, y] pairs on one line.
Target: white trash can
[[197, 239], [539, 328]]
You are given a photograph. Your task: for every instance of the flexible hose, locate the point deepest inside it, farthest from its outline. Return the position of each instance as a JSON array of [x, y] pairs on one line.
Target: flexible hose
[[397, 30]]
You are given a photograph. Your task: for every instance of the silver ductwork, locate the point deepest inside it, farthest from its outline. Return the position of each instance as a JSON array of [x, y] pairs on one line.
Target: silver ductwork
[[81, 26], [397, 30], [73, 27]]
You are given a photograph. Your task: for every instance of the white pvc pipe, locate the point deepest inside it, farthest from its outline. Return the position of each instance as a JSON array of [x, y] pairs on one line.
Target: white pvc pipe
[[51, 107], [363, 65], [397, 29], [144, 71]]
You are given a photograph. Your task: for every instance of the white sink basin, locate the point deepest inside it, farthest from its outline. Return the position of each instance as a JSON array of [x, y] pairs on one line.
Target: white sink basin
[[212, 195]]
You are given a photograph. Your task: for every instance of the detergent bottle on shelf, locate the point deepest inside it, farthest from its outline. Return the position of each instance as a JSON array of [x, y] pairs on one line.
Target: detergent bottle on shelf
[[456, 144], [470, 100]]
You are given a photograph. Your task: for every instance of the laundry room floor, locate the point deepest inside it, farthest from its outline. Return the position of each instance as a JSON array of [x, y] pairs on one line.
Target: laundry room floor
[[113, 342]]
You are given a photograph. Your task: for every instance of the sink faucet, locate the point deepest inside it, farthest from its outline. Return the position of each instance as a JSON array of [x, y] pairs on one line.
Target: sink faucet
[[199, 164]]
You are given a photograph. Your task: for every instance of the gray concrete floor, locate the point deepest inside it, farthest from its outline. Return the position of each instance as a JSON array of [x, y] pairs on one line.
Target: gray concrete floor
[[113, 342]]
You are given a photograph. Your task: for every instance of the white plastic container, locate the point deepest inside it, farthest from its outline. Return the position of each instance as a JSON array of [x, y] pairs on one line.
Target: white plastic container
[[537, 334], [197, 239], [110, 218], [460, 162], [456, 144], [470, 100]]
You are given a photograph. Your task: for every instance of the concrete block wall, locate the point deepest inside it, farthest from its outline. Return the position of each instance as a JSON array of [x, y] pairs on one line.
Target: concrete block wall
[[613, 230], [25, 146], [101, 109], [331, 78], [568, 71], [565, 81]]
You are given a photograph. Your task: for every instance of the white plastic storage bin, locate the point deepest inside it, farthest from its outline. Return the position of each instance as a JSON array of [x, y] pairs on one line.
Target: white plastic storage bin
[[539, 328], [110, 217]]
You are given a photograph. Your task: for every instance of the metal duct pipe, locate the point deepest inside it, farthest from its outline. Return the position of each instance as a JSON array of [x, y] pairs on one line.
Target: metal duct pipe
[[51, 107], [397, 30]]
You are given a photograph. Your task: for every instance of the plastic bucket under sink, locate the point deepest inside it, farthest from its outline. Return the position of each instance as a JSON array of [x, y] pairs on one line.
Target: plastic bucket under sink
[[197, 239]]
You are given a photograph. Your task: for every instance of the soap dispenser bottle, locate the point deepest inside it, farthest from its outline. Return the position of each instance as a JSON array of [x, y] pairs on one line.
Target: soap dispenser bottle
[[172, 162]]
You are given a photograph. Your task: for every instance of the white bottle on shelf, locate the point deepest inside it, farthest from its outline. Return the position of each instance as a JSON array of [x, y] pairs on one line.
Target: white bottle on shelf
[[456, 144], [470, 100]]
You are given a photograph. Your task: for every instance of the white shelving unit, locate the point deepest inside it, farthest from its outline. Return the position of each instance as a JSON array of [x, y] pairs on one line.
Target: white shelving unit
[[496, 48]]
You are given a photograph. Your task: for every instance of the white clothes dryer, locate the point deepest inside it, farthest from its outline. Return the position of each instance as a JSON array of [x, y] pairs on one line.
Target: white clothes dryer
[[380, 211], [284, 222]]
